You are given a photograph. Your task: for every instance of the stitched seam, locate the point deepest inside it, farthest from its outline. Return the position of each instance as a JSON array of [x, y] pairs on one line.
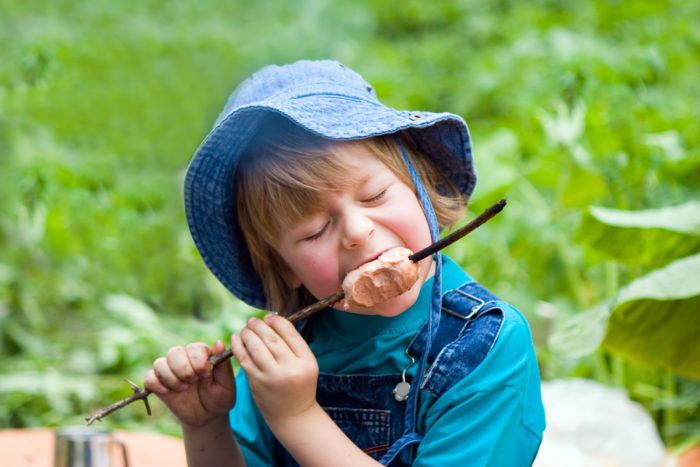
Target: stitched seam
[[434, 366], [463, 330], [374, 449], [293, 89]]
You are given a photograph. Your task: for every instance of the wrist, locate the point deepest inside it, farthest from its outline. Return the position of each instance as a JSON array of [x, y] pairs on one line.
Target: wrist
[[212, 443], [215, 422], [296, 418]]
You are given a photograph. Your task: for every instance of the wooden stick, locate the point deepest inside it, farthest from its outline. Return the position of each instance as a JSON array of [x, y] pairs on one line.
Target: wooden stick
[[304, 313], [415, 257], [457, 234], [318, 306]]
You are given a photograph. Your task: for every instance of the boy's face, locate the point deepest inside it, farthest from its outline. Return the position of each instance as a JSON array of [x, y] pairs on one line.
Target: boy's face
[[356, 225]]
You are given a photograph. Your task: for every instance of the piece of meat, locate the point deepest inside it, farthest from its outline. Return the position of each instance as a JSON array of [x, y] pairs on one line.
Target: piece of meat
[[377, 281]]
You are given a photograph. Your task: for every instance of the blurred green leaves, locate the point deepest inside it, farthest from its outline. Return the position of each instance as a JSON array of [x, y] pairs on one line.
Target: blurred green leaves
[[649, 237], [582, 113], [655, 319], [652, 321]]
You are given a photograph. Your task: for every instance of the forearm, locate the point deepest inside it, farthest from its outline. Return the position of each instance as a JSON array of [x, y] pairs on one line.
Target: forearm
[[313, 439], [212, 444]]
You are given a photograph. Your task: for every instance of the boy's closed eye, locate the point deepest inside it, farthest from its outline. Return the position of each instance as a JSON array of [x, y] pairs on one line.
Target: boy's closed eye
[[318, 234], [376, 197]]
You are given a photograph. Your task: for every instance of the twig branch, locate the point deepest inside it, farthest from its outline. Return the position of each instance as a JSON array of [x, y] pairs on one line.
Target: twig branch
[[138, 394], [457, 234], [142, 394]]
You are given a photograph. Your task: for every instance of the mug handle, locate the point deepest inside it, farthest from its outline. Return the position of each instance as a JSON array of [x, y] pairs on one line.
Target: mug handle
[[122, 445]]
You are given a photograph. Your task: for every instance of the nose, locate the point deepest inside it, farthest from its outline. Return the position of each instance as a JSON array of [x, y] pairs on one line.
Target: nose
[[358, 228]]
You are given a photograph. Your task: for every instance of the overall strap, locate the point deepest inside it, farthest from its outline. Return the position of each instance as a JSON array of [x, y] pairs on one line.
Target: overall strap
[[470, 310], [410, 436], [471, 319], [398, 452]]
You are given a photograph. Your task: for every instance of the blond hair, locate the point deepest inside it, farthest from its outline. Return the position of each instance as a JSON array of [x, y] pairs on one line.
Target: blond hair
[[283, 177]]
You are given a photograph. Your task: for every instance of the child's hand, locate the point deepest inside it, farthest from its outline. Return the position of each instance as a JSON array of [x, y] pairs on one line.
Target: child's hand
[[185, 382], [281, 369]]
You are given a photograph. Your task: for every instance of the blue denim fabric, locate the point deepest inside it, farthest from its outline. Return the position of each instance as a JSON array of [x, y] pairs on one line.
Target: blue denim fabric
[[364, 407]]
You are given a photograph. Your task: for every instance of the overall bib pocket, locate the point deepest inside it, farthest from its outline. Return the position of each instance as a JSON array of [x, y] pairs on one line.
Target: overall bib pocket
[[369, 429]]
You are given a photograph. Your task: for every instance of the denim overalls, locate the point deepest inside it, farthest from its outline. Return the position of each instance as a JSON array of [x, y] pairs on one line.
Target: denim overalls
[[364, 406]]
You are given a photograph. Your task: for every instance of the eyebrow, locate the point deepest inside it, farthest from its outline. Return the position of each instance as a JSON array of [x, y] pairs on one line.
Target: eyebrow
[[364, 179]]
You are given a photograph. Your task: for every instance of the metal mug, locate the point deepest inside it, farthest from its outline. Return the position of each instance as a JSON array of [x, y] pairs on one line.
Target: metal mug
[[81, 446]]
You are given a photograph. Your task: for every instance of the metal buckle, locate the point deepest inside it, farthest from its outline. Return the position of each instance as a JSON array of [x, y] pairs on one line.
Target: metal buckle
[[475, 309]]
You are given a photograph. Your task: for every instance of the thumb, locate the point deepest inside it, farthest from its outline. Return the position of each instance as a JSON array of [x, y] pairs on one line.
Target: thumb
[[222, 373], [218, 347]]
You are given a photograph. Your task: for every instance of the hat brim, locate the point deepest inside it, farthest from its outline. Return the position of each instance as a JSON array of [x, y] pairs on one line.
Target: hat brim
[[210, 196]]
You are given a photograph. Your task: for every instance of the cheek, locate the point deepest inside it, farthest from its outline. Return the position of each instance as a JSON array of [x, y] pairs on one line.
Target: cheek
[[414, 229], [412, 224], [318, 271]]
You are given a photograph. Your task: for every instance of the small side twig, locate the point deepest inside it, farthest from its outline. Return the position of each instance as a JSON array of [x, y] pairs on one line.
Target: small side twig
[[138, 395], [142, 394]]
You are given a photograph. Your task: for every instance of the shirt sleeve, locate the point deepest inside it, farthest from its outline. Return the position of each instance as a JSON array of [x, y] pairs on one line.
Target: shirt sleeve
[[249, 427], [494, 416]]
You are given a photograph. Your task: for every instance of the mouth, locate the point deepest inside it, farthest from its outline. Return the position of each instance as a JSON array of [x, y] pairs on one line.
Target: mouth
[[372, 258]]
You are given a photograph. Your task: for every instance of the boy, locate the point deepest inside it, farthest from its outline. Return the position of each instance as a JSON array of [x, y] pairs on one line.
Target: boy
[[305, 177]]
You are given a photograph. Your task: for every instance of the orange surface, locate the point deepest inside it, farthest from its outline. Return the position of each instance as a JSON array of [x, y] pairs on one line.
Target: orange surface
[[690, 458], [34, 447]]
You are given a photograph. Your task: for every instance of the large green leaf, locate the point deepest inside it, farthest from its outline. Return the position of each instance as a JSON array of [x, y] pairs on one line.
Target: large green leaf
[[581, 334], [649, 237], [656, 319]]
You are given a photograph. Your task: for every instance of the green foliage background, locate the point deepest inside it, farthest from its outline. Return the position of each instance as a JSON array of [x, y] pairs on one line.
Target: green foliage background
[[571, 104]]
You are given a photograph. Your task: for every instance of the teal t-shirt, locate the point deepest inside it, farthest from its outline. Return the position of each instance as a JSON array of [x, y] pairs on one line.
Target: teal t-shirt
[[494, 416]]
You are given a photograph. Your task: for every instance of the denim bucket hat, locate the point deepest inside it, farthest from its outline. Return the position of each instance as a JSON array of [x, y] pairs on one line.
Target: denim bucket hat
[[325, 98]]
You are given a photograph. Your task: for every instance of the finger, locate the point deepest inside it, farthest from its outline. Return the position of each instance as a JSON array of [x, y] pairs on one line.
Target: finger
[[222, 373], [275, 344], [152, 384], [166, 376], [286, 330], [198, 355], [257, 350], [218, 347], [180, 365], [243, 356]]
